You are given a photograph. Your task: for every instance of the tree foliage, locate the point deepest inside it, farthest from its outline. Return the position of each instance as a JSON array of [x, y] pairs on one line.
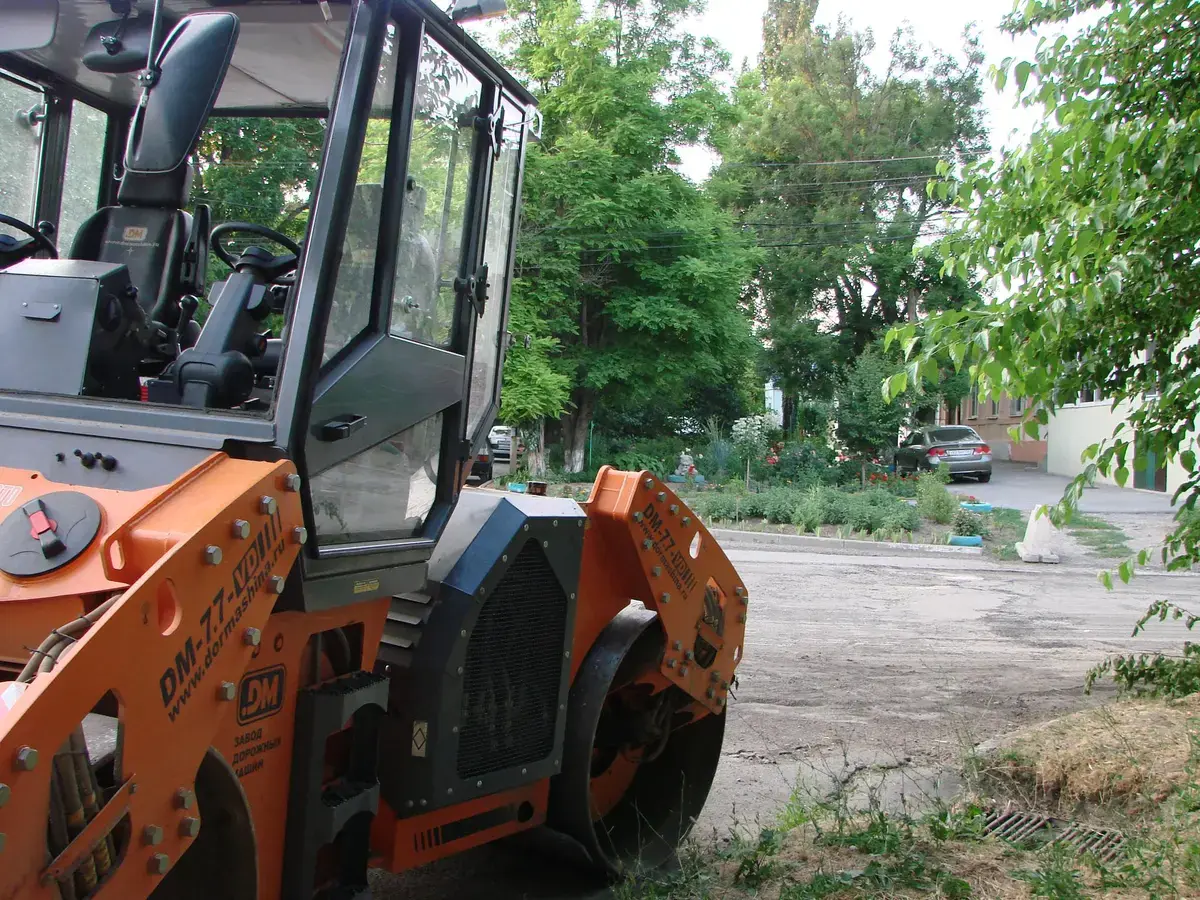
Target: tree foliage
[[867, 423], [1092, 232], [839, 234], [631, 269]]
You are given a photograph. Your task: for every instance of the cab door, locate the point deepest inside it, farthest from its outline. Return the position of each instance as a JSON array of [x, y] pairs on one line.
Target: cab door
[[387, 430]]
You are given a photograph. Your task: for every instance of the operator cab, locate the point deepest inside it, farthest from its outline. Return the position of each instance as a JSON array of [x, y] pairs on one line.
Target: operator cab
[[361, 164]]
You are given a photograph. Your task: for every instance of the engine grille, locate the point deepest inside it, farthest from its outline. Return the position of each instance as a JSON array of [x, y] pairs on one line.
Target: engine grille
[[513, 669]]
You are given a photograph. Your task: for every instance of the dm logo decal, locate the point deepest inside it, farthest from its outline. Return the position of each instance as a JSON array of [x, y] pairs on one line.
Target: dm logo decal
[[135, 233], [261, 694]]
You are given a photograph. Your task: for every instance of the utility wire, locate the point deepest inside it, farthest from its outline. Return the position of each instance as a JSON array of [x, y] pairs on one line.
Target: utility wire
[[858, 162]]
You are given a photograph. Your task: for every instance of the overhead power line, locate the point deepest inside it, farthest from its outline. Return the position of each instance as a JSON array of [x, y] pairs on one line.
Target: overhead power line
[[858, 162]]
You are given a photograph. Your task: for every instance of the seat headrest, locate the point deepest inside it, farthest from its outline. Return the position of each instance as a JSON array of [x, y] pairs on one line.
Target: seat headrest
[[169, 190]]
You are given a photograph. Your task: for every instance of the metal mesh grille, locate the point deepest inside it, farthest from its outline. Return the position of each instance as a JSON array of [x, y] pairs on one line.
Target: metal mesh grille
[[513, 669], [1033, 829]]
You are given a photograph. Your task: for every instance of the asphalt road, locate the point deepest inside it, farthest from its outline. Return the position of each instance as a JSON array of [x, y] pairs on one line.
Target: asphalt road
[[889, 668], [1020, 487]]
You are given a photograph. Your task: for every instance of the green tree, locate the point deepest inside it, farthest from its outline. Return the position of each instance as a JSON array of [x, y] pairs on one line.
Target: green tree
[[631, 268], [828, 165], [866, 422], [1093, 233]]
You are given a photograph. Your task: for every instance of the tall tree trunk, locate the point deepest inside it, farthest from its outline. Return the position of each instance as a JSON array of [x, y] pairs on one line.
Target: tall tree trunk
[[535, 452], [575, 425], [912, 304]]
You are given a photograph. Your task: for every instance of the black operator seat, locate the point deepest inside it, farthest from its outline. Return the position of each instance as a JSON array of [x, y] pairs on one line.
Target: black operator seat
[[164, 248]]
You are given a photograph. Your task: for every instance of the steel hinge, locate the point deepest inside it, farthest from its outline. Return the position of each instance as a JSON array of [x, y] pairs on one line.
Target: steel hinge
[[474, 288]]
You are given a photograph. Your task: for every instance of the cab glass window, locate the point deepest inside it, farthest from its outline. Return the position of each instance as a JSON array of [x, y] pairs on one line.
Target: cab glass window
[[350, 312], [21, 114], [501, 205], [435, 199], [81, 183]]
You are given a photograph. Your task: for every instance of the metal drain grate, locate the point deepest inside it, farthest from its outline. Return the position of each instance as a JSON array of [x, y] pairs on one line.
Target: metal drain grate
[[1026, 828]]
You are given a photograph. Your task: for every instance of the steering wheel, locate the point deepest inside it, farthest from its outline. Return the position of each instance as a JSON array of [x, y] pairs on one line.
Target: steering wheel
[[270, 268], [13, 251]]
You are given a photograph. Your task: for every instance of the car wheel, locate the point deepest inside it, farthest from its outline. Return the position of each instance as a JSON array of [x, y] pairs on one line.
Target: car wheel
[[984, 479]]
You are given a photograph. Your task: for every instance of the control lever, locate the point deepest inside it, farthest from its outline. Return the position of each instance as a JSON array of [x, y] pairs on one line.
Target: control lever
[[187, 309]]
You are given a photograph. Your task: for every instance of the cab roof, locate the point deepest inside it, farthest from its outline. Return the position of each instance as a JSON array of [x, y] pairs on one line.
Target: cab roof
[[287, 53]]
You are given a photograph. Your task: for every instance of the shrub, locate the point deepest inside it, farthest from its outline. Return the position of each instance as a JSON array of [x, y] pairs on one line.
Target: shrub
[[835, 507], [863, 515], [781, 505], [636, 461], [803, 462], [903, 486], [754, 506], [967, 522], [718, 506], [902, 517], [934, 502], [808, 514]]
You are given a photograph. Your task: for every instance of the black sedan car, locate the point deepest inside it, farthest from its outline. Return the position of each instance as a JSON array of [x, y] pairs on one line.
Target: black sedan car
[[957, 447]]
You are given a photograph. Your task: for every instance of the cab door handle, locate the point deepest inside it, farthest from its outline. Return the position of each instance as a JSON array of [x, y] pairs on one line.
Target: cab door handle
[[341, 427]]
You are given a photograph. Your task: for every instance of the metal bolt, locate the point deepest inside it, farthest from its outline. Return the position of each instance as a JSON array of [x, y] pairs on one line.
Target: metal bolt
[[252, 636], [5, 793], [227, 690], [189, 826], [683, 670], [687, 520], [504, 557], [742, 618], [159, 864], [267, 505], [212, 555], [665, 598], [678, 645], [449, 792], [423, 802], [720, 701], [241, 529], [460, 670], [546, 545], [740, 591], [724, 685], [277, 582], [463, 633], [300, 534], [689, 655], [648, 483], [291, 483], [637, 517], [572, 596], [674, 508], [556, 763], [579, 522], [408, 804], [27, 759], [3, 841], [566, 654], [152, 835], [524, 771], [479, 783], [554, 523], [647, 544], [662, 496], [715, 676], [656, 571], [454, 730], [710, 693], [670, 663], [525, 527], [184, 799]]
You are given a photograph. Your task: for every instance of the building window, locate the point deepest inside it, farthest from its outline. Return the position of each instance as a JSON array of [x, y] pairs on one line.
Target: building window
[[1091, 395], [995, 408], [1017, 405], [974, 403]]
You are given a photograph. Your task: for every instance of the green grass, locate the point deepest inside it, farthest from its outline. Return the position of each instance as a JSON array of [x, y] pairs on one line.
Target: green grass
[[1008, 527], [1102, 537]]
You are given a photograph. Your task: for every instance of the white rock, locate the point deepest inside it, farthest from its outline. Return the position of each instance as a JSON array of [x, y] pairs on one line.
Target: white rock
[[1038, 536]]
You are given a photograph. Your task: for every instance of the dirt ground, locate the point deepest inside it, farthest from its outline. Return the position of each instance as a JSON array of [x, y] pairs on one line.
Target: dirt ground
[[875, 673]]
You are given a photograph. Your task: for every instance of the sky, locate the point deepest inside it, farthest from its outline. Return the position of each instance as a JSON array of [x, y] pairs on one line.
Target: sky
[[737, 26]]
